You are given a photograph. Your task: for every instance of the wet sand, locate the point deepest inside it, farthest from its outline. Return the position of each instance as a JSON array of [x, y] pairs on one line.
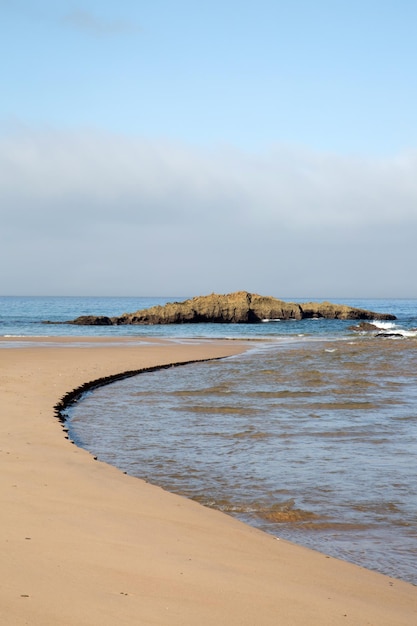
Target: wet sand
[[82, 544]]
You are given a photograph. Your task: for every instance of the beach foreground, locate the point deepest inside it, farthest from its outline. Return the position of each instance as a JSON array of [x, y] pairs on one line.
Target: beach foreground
[[84, 544]]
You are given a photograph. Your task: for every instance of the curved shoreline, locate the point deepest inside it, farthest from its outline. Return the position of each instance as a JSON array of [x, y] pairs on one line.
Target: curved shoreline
[[84, 544], [71, 397], [339, 536]]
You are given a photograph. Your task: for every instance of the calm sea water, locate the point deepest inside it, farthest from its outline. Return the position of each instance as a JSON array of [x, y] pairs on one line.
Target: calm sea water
[[310, 436], [23, 316]]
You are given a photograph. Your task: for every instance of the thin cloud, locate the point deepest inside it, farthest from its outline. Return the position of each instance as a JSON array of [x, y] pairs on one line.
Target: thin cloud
[[288, 221], [91, 23], [294, 188]]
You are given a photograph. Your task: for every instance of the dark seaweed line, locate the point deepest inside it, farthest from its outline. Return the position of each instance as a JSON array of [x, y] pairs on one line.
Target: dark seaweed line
[[72, 397]]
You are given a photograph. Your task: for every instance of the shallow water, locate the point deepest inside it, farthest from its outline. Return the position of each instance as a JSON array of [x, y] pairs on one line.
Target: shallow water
[[311, 440]]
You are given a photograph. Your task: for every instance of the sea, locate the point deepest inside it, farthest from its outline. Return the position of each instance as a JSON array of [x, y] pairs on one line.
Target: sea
[[310, 435]]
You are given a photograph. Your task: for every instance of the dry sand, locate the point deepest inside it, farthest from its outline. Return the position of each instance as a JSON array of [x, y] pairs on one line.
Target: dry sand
[[83, 544]]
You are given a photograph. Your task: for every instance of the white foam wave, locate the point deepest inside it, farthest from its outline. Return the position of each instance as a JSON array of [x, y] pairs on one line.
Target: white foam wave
[[409, 333], [399, 332], [384, 325]]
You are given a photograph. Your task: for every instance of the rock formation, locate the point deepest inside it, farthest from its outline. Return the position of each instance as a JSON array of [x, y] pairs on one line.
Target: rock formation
[[364, 327], [235, 308]]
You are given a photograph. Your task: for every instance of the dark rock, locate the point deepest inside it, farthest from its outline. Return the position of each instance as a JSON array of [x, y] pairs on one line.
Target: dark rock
[[364, 326], [92, 320]]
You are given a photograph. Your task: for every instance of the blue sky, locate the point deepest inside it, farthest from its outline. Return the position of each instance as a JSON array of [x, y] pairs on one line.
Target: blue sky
[[176, 147]]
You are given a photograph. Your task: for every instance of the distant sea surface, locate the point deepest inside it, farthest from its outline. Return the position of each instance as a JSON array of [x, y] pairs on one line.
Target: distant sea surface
[[311, 435]]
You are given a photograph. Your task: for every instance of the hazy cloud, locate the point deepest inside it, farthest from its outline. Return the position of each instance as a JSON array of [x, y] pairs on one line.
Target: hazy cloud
[[295, 188], [111, 209], [94, 24]]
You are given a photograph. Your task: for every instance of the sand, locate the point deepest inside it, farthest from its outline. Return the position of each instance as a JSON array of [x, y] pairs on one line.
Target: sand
[[84, 544]]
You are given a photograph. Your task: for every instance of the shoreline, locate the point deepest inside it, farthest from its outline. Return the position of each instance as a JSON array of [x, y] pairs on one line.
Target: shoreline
[[85, 544], [76, 394]]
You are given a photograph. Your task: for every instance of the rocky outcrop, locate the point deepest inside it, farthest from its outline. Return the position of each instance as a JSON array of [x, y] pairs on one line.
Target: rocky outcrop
[[234, 308], [340, 312], [93, 320], [364, 327]]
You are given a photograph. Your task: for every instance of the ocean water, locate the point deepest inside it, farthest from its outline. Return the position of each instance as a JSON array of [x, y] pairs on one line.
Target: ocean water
[[23, 317], [311, 435]]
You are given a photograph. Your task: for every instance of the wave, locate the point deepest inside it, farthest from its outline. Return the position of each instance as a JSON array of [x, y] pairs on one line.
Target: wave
[[391, 329], [384, 325]]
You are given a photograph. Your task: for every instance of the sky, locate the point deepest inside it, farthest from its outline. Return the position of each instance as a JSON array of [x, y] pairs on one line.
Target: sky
[[179, 148]]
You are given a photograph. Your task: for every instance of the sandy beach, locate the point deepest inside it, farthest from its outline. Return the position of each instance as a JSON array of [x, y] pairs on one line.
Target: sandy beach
[[83, 544]]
